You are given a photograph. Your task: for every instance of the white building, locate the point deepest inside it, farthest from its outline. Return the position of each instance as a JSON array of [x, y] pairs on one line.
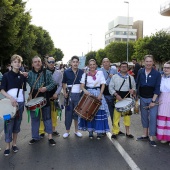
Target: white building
[[165, 8], [123, 28]]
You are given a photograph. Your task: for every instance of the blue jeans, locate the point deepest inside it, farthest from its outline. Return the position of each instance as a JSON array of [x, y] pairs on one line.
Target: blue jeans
[[35, 122], [69, 110], [148, 116], [13, 125]]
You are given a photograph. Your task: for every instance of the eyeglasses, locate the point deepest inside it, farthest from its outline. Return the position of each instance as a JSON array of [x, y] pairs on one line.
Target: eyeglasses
[[51, 62], [166, 67]]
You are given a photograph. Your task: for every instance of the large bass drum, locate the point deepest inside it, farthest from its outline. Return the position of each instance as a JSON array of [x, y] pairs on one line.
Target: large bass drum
[[87, 107]]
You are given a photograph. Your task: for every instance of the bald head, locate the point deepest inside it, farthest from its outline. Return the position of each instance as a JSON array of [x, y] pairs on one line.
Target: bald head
[[106, 63]]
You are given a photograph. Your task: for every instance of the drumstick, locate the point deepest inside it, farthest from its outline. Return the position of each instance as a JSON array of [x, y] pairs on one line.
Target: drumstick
[[38, 91], [126, 95], [146, 107]]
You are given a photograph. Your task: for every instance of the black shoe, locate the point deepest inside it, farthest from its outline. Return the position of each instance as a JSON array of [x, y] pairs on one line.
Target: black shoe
[[15, 149], [129, 136], [56, 133], [121, 133], [103, 134], [152, 143], [91, 135], [32, 141], [42, 135], [99, 136], [143, 138], [114, 136], [6, 152], [52, 142]]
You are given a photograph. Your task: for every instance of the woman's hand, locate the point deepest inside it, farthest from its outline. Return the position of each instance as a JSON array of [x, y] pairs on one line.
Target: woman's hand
[[100, 96], [86, 92]]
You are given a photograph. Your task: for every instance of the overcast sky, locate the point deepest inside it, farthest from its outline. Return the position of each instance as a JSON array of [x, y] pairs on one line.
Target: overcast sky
[[73, 24]]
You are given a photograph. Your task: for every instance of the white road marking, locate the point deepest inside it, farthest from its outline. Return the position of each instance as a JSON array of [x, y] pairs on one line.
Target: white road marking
[[124, 154]]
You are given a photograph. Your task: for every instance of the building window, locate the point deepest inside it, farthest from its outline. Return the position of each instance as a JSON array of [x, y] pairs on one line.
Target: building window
[[117, 39], [124, 39]]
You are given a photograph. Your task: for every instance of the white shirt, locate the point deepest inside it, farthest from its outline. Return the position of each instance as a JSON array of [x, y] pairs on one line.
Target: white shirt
[[165, 85], [94, 83]]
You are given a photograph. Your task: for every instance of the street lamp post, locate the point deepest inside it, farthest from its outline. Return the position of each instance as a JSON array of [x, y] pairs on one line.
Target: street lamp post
[[91, 41], [127, 31]]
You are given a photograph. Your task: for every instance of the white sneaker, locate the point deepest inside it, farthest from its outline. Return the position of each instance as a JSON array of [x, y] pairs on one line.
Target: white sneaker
[[78, 134], [66, 135]]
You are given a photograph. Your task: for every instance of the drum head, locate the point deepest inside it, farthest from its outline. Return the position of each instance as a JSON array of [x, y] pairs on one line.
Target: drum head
[[123, 103], [6, 108], [35, 101]]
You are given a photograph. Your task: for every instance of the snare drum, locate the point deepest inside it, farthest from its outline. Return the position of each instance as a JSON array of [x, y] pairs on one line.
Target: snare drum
[[38, 102], [87, 107], [124, 105], [7, 111]]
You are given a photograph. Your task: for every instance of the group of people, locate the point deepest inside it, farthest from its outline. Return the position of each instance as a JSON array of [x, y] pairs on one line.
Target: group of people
[[106, 84]]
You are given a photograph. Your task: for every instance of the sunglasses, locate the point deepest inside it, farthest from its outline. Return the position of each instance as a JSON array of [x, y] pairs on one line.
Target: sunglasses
[[51, 62]]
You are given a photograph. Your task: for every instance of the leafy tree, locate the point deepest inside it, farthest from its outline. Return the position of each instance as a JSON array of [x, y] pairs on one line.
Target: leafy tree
[[100, 55], [11, 15], [58, 54], [157, 44], [117, 51], [141, 48], [43, 44], [90, 55]]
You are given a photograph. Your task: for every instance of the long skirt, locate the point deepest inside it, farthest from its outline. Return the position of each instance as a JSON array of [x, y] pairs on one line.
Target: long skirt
[[100, 122], [163, 119]]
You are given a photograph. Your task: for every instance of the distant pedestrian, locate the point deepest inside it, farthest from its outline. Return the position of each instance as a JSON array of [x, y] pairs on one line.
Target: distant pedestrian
[[136, 68]]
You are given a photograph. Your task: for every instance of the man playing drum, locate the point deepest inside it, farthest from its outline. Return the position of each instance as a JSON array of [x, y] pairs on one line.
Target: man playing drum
[[13, 87], [71, 91], [41, 83], [53, 94], [121, 86]]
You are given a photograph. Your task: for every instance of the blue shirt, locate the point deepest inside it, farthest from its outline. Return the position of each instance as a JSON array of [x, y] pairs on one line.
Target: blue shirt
[[12, 80], [69, 76], [107, 72], [153, 79]]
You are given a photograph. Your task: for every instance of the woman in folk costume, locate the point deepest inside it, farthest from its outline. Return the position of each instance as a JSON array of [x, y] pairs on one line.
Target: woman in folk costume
[[163, 118], [95, 79]]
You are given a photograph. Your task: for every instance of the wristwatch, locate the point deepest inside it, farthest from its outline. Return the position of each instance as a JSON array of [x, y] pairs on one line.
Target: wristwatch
[[153, 101]]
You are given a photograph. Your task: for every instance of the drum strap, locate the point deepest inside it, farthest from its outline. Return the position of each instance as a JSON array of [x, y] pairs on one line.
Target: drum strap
[[30, 95], [121, 85]]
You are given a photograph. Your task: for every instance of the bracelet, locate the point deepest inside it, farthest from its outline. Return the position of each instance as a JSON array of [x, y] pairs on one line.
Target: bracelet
[[153, 101]]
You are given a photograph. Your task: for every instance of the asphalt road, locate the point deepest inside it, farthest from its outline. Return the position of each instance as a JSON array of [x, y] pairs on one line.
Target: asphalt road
[[84, 154]]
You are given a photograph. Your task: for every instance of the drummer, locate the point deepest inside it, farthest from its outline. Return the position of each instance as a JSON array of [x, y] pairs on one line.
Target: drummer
[[13, 87], [41, 82], [95, 79], [53, 94], [71, 91], [121, 85]]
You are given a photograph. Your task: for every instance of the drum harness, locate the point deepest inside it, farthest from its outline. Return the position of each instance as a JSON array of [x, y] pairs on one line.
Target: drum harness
[[130, 86], [68, 90], [30, 95]]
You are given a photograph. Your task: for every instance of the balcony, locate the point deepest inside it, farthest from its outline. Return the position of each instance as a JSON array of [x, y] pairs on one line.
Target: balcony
[[165, 9]]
